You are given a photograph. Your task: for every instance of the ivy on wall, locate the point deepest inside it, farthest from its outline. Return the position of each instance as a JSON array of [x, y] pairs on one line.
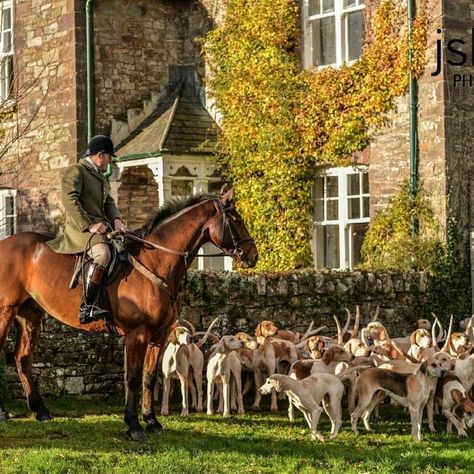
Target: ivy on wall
[[390, 245], [279, 122]]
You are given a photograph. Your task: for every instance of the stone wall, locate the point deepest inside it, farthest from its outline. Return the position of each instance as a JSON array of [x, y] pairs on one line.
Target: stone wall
[[70, 361]]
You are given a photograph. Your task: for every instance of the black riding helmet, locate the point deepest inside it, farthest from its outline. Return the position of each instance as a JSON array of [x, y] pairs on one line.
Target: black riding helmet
[[100, 143]]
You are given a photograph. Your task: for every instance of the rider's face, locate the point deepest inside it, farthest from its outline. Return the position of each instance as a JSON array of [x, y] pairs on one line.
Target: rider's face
[[102, 160]]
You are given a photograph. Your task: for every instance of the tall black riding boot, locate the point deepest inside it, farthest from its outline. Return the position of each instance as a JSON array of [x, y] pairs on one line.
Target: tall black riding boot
[[89, 311]]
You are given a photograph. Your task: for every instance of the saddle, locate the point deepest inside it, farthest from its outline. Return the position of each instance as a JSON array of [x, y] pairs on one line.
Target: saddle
[[118, 255]]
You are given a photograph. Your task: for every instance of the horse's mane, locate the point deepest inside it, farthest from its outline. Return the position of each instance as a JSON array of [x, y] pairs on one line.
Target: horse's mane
[[170, 207]]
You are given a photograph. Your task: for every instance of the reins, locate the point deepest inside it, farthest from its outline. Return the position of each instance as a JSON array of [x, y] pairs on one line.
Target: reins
[[167, 249]]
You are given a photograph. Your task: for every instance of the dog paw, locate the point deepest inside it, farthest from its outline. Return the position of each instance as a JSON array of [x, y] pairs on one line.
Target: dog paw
[[165, 412]]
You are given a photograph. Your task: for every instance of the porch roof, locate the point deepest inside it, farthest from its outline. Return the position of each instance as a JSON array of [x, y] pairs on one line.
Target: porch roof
[[180, 124]]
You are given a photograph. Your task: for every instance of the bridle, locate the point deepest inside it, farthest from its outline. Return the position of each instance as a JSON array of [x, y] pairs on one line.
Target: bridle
[[237, 251]]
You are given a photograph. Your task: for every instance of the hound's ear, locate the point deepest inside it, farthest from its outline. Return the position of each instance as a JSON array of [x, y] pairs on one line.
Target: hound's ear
[[306, 346], [328, 356], [413, 338], [423, 368], [173, 338], [226, 195], [457, 396], [258, 330], [278, 385]]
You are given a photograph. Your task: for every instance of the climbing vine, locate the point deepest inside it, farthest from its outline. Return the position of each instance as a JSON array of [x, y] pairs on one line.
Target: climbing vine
[[390, 243], [279, 122]]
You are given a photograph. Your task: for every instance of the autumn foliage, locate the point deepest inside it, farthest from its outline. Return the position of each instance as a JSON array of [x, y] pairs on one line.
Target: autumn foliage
[[279, 121]]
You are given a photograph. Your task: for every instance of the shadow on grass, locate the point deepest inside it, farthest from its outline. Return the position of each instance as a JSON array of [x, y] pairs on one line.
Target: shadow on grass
[[252, 436]]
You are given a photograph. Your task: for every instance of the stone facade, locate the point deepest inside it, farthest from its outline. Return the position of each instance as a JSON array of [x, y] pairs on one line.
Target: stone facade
[[134, 45], [45, 81], [445, 127], [390, 148], [70, 361]]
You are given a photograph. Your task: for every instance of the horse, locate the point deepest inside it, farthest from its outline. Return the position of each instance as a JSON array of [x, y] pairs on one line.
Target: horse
[[143, 300]]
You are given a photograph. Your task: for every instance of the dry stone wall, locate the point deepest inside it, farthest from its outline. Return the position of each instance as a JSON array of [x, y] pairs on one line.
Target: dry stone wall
[[71, 361]]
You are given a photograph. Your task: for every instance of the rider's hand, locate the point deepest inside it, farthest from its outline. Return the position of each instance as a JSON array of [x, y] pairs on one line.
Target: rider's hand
[[119, 226], [98, 228]]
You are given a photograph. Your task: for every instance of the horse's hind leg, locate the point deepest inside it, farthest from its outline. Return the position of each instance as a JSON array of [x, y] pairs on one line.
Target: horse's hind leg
[[27, 339], [7, 314]]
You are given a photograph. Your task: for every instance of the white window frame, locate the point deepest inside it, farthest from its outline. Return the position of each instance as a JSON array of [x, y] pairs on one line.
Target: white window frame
[[343, 221], [342, 39], [4, 194], [6, 57]]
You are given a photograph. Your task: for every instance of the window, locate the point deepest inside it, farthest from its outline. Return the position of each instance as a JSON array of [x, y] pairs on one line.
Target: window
[[334, 31], [7, 212], [6, 49], [341, 217]]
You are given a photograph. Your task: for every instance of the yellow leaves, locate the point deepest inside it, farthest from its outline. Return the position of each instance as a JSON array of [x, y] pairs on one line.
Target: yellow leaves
[[279, 121]]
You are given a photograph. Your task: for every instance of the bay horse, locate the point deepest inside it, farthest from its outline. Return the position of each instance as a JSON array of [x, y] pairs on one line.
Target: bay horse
[[34, 280]]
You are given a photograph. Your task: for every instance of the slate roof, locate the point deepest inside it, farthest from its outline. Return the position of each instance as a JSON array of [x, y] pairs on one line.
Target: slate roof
[[179, 125]]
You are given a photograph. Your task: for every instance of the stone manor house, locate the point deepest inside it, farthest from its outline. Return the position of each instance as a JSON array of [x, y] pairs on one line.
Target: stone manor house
[[146, 90]]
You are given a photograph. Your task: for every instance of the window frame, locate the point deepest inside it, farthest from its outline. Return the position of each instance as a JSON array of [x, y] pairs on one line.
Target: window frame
[[343, 221], [341, 16], [4, 194], [6, 58]]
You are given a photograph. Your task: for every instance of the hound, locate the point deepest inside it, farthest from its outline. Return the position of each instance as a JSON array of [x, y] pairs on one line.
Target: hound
[[379, 334], [410, 390], [314, 347], [334, 361], [181, 358], [308, 394], [457, 407], [267, 357], [421, 345], [224, 363]]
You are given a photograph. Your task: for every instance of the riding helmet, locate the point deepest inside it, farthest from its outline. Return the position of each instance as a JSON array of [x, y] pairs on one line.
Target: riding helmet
[[100, 143]]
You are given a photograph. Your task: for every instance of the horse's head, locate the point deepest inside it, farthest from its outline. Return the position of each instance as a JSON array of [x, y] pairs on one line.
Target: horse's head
[[228, 232]]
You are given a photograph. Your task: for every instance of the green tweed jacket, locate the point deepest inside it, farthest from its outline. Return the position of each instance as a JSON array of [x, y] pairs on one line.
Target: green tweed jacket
[[86, 199]]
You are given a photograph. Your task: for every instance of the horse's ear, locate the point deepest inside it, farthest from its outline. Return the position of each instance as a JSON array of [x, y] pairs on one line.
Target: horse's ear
[[226, 195], [225, 187]]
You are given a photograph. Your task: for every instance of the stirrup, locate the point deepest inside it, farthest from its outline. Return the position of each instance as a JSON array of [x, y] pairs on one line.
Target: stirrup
[[89, 313]]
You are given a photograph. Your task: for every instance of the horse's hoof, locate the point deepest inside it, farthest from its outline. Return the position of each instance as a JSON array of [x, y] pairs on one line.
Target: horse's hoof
[[45, 416], [154, 428], [137, 435], [3, 416]]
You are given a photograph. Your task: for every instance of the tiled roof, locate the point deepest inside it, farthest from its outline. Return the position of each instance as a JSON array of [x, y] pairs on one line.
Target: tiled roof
[[179, 124]]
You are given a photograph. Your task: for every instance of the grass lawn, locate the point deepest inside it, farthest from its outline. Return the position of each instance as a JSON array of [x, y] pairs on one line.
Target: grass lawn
[[89, 436]]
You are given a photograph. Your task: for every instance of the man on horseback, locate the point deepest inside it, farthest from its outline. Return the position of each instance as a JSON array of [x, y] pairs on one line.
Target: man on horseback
[[90, 214]]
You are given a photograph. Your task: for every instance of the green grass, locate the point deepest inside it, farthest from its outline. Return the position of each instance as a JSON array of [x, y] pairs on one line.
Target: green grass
[[89, 436]]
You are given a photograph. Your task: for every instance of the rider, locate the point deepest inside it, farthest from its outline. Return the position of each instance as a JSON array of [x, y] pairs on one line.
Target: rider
[[90, 214]]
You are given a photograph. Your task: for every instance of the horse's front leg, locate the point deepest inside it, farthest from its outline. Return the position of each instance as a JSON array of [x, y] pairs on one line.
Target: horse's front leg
[[136, 344], [149, 381]]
